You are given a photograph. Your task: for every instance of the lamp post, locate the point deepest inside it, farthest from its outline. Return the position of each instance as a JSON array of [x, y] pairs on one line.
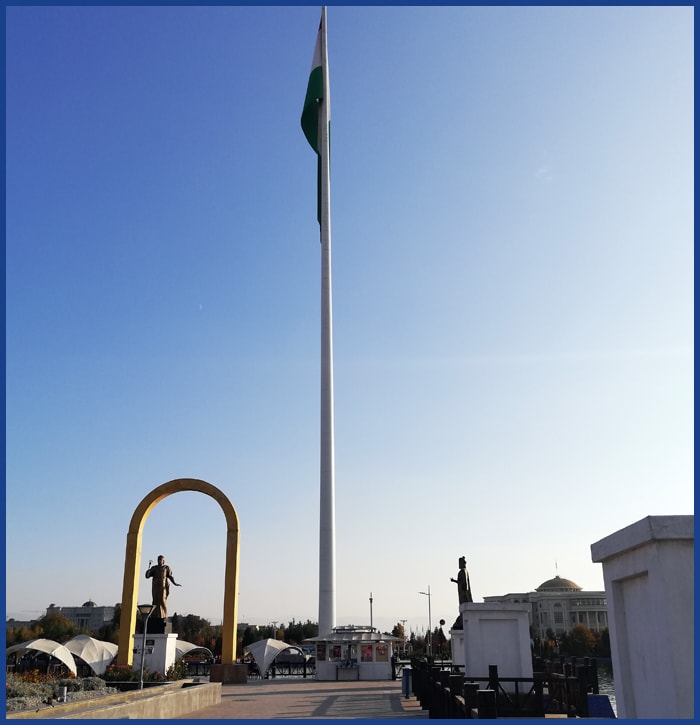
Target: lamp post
[[430, 623], [403, 635], [370, 613], [442, 639], [145, 610]]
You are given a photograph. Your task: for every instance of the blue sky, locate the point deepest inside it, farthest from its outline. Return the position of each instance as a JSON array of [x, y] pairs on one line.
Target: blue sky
[[512, 221]]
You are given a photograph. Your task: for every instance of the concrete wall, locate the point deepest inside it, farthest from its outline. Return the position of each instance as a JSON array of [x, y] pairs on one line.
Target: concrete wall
[[648, 574], [154, 703]]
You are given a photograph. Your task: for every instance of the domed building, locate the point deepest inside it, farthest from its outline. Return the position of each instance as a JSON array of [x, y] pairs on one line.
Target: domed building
[[560, 604], [87, 618], [556, 585]]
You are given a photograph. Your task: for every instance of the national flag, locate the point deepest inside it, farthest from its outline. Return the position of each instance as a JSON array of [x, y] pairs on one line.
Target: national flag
[[314, 94], [310, 113]]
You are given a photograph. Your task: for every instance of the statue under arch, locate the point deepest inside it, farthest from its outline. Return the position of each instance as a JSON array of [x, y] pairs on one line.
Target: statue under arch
[[132, 565]]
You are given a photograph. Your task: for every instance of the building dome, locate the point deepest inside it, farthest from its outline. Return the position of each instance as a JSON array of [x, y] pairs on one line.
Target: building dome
[[89, 603], [558, 585]]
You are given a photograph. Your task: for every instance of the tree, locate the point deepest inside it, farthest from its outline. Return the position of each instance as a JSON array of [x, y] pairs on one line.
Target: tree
[[417, 645], [250, 635], [439, 642], [57, 627], [602, 643], [398, 630], [109, 632], [218, 643], [579, 642], [15, 635], [309, 629], [297, 632], [194, 629]]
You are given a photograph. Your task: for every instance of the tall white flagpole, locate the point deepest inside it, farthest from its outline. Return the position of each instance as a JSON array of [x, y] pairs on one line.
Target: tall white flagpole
[[326, 590]]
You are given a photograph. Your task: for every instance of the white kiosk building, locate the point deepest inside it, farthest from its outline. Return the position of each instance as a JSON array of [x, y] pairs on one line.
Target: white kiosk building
[[354, 653]]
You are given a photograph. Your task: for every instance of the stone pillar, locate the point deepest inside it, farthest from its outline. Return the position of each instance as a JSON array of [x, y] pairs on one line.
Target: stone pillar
[[648, 574]]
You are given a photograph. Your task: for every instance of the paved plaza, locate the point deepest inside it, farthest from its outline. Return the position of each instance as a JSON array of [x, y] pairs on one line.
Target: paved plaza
[[311, 699]]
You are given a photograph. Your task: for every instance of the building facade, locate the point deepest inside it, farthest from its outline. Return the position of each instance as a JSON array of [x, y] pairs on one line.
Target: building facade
[[559, 605], [88, 618]]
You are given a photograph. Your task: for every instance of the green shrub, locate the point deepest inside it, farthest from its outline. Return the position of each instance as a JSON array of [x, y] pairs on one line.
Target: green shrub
[[177, 671], [23, 703], [18, 686], [92, 683], [71, 684], [30, 690]]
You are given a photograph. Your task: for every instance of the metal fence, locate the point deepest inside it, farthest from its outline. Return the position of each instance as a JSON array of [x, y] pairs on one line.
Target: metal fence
[[446, 692]]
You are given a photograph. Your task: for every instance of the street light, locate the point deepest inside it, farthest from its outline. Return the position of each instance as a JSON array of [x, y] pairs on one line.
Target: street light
[[430, 623], [442, 639], [145, 610], [370, 613]]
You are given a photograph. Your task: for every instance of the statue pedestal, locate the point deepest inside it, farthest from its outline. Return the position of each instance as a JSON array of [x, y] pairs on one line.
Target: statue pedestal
[[230, 674], [457, 645], [159, 654], [159, 626], [496, 634]]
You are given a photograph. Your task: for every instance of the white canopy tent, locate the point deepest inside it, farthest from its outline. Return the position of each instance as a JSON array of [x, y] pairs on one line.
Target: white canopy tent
[[94, 652], [48, 646], [185, 648], [265, 651]]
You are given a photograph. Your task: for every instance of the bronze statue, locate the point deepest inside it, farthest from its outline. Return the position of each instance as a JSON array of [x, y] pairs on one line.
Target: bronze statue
[[162, 575], [464, 589]]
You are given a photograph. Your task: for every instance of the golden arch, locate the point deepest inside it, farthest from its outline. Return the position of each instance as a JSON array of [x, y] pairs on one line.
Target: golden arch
[[132, 565]]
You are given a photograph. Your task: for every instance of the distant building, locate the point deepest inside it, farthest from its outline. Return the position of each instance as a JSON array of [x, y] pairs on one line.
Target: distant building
[[560, 604], [88, 618], [12, 623]]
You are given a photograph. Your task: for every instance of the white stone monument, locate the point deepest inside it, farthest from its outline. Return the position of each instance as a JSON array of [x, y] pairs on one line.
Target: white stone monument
[[496, 634], [160, 652], [648, 574]]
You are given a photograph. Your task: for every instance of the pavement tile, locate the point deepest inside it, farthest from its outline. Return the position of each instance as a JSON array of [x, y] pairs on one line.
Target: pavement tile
[[310, 699]]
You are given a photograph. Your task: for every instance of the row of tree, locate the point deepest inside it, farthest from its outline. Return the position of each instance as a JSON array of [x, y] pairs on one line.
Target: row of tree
[[189, 627], [578, 642], [58, 628]]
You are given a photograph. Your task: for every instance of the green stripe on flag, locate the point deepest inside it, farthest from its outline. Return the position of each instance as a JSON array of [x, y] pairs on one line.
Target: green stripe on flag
[[309, 116]]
